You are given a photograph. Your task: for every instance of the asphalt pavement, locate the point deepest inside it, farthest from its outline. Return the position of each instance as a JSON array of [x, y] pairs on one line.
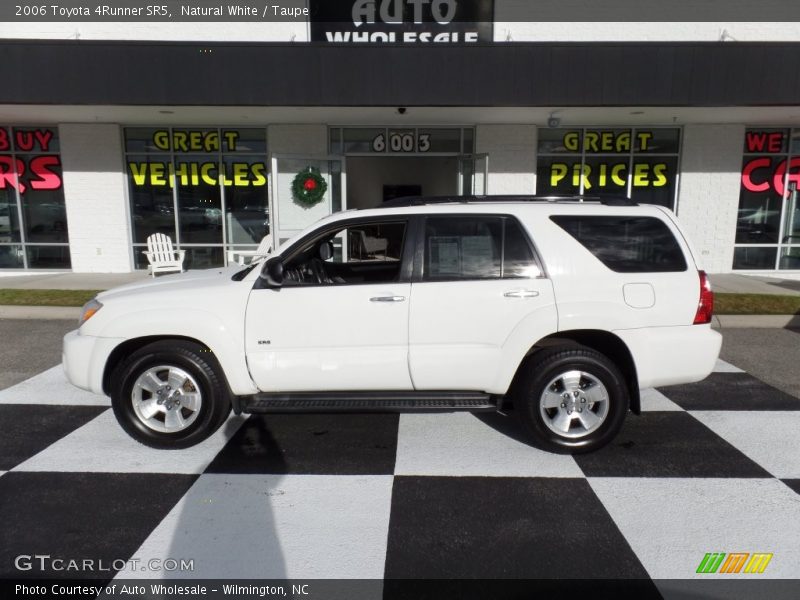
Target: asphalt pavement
[[771, 355], [399, 497], [28, 347]]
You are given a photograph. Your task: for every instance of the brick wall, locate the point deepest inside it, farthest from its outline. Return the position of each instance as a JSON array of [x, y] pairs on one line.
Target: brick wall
[[708, 196], [96, 199], [304, 142], [512, 157]]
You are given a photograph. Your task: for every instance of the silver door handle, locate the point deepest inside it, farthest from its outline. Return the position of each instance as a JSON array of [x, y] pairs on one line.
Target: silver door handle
[[521, 294], [387, 299]]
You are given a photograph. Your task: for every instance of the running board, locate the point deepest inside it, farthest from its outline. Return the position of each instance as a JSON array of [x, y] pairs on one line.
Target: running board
[[315, 402]]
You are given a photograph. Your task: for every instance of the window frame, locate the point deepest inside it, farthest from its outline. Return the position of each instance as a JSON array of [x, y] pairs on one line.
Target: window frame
[[581, 154], [25, 248], [780, 245], [173, 157]]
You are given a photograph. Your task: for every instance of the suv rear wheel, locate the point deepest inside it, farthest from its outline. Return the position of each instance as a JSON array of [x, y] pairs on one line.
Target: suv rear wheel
[[573, 399], [170, 394]]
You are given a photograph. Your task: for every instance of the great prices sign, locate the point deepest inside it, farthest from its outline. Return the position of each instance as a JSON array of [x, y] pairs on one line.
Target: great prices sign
[[606, 160], [774, 170], [28, 160]]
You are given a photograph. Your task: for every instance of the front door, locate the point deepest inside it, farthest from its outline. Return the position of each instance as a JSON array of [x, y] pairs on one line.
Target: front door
[[478, 302], [340, 320]]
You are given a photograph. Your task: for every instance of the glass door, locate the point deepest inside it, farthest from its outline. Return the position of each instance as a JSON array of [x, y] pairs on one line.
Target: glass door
[[790, 238], [304, 189], [473, 174]]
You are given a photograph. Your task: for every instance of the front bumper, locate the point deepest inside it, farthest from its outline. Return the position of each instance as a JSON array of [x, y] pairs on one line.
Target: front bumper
[[84, 359]]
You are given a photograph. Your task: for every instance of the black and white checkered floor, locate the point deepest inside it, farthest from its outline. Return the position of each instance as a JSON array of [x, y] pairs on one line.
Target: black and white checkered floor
[[709, 467]]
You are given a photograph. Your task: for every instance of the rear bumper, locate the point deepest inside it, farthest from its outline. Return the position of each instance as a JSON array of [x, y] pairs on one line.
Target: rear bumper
[[84, 358], [672, 355]]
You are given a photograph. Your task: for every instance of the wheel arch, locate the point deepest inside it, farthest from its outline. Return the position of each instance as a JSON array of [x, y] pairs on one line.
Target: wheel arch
[[128, 347], [605, 343]]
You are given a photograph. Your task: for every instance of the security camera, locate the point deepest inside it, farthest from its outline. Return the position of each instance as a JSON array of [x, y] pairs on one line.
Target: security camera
[[401, 110], [553, 122]]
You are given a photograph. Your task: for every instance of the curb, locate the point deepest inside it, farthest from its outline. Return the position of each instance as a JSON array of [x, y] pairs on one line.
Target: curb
[[756, 321], [40, 312]]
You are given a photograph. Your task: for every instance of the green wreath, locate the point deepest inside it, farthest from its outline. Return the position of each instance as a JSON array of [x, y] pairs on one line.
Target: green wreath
[[309, 187]]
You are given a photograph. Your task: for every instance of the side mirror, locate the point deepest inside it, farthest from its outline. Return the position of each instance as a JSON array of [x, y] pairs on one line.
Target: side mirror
[[326, 250], [272, 272]]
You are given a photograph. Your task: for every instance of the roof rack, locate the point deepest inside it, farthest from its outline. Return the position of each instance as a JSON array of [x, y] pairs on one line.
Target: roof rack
[[608, 200]]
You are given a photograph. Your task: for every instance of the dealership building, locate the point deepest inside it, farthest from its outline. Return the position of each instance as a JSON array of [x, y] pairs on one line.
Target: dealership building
[[113, 131]]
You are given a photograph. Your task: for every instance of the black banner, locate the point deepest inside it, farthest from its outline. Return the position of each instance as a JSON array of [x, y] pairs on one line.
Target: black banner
[[468, 11], [396, 589], [402, 21]]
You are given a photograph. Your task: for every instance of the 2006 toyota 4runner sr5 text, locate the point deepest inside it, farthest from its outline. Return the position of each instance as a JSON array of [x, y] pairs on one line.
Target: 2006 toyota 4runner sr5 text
[[560, 308]]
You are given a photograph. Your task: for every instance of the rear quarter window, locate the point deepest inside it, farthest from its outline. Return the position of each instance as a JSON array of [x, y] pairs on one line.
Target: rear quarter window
[[626, 244]]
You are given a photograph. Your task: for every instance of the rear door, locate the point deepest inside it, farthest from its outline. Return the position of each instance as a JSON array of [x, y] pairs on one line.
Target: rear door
[[479, 300]]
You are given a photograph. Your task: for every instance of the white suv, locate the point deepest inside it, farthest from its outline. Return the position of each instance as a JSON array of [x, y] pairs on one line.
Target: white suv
[[560, 308]]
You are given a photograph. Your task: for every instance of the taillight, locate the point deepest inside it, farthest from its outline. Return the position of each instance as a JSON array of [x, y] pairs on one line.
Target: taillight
[[705, 308]]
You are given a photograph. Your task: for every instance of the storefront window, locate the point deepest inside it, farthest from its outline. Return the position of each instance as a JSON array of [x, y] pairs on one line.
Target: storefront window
[[206, 188], [32, 209], [246, 215], [640, 163], [768, 224]]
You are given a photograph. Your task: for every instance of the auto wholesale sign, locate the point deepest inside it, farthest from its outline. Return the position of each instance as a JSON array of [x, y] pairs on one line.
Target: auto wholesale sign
[[402, 21]]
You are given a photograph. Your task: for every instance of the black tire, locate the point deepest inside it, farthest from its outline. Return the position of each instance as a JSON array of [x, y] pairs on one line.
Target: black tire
[[540, 371], [191, 358]]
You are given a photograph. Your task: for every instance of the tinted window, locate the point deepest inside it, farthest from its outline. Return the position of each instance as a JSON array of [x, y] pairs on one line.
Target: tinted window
[[517, 255], [626, 244], [476, 248]]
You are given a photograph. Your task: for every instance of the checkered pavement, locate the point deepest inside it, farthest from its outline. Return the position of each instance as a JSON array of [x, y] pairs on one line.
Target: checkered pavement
[[707, 467]]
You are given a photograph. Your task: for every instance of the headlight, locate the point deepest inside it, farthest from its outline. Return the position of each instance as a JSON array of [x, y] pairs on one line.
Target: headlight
[[89, 309]]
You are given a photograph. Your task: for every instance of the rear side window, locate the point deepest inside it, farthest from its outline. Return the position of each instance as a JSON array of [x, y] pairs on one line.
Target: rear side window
[[626, 244], [476, 247]]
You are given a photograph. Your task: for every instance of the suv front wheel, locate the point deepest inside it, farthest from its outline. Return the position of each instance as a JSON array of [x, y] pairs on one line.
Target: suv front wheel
[[573, 399], [170, 394]]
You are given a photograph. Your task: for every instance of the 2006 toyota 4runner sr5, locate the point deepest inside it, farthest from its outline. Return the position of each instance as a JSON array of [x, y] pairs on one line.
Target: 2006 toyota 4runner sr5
[[560, 308]]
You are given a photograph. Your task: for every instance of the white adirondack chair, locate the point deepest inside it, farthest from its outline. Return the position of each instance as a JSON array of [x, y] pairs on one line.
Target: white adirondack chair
[[239, 256], [161, 255]]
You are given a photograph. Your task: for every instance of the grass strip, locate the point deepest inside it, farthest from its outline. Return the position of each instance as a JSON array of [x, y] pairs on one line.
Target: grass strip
[[18, 297], [724, 304], [756, 304]]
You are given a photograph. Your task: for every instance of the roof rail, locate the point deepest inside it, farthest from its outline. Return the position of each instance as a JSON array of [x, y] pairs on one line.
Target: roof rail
[[608, 200]]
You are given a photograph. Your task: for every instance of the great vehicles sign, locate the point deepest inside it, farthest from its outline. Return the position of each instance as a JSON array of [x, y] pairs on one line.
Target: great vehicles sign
[[402, 21], [196, 161]]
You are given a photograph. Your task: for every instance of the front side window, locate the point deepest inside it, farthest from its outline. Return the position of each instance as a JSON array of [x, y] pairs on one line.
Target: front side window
[[476, 247], [363, 253]]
